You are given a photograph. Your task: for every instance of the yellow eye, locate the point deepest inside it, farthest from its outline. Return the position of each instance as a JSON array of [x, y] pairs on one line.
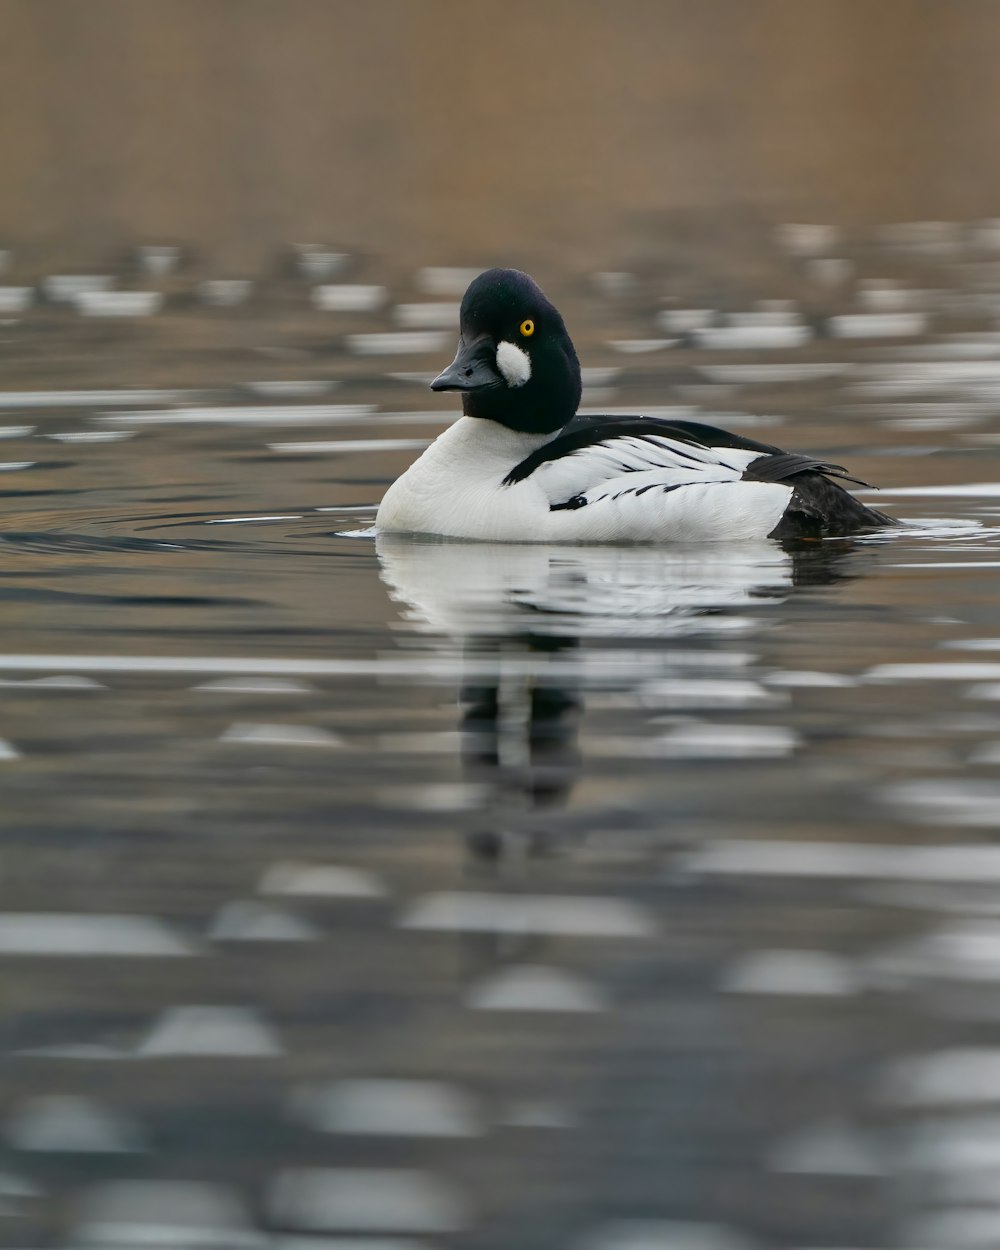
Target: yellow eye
[[527, 327]]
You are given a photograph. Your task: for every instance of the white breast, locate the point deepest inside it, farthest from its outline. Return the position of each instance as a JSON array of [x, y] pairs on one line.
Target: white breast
[[455, 488]]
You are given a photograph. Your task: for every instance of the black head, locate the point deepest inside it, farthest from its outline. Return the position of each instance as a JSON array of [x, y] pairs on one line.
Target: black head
[[516, 363]]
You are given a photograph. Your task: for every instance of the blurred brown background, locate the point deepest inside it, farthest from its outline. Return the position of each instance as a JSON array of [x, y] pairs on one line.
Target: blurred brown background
[[440, 128]]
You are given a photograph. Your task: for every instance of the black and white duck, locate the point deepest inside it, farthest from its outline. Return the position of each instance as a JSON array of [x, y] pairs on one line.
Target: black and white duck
[[521, 466]]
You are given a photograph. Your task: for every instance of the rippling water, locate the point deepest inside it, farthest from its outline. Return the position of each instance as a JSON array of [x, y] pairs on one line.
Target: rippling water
[[450, 894]]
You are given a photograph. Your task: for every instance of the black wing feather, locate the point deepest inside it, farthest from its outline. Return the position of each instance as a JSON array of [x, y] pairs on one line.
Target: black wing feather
[[785, 464], [820, 508]]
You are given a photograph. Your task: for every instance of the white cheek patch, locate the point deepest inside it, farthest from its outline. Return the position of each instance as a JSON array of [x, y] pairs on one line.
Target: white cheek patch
[[513, 363]]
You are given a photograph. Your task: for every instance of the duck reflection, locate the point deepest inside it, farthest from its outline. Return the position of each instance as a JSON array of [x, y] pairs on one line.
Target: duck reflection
[[520, 614], [519, 741]]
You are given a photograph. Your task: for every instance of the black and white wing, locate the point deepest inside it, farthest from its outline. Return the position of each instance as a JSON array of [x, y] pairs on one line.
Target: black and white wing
[[618, 460]]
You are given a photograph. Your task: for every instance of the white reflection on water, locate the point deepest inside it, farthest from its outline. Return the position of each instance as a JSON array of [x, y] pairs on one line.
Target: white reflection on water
[[352, 445], [878, 325], [956, 1146], [438, 316], [388, 1107], [709, 693], [983, 490], [250, 734], [793, 972], [56, 682], [225, 292], [398, 342], [180, 1214], [863, 860], [965, 952], [348, 297], [91, 436], [118, 303], [85, 399], [714, 741], [72, 1125], [531, 987], [16, 299], [320, 881], [254, 685], [748, 374], [221, 1031], [664, 1235], [485, 589], [752, 337], [271, 414], [65, 287], [943, 671], [446, 279], [810, 679], [367, 1200], [954, 800], [576, 916], [957, 1076], [45, 933]]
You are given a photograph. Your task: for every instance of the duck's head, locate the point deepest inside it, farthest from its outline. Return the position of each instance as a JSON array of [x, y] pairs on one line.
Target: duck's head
[[516, 364]]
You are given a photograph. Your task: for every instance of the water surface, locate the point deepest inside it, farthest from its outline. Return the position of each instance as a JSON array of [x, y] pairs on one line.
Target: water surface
[[496, 896]]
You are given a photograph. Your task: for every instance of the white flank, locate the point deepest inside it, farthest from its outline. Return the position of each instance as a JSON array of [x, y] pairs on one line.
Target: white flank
[[513, 363]]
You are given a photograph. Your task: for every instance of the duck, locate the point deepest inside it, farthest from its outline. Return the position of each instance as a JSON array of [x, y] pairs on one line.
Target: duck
[[521, 465]]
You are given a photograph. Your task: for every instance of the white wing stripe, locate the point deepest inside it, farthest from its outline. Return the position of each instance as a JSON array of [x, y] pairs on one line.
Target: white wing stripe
[[614, 462]]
